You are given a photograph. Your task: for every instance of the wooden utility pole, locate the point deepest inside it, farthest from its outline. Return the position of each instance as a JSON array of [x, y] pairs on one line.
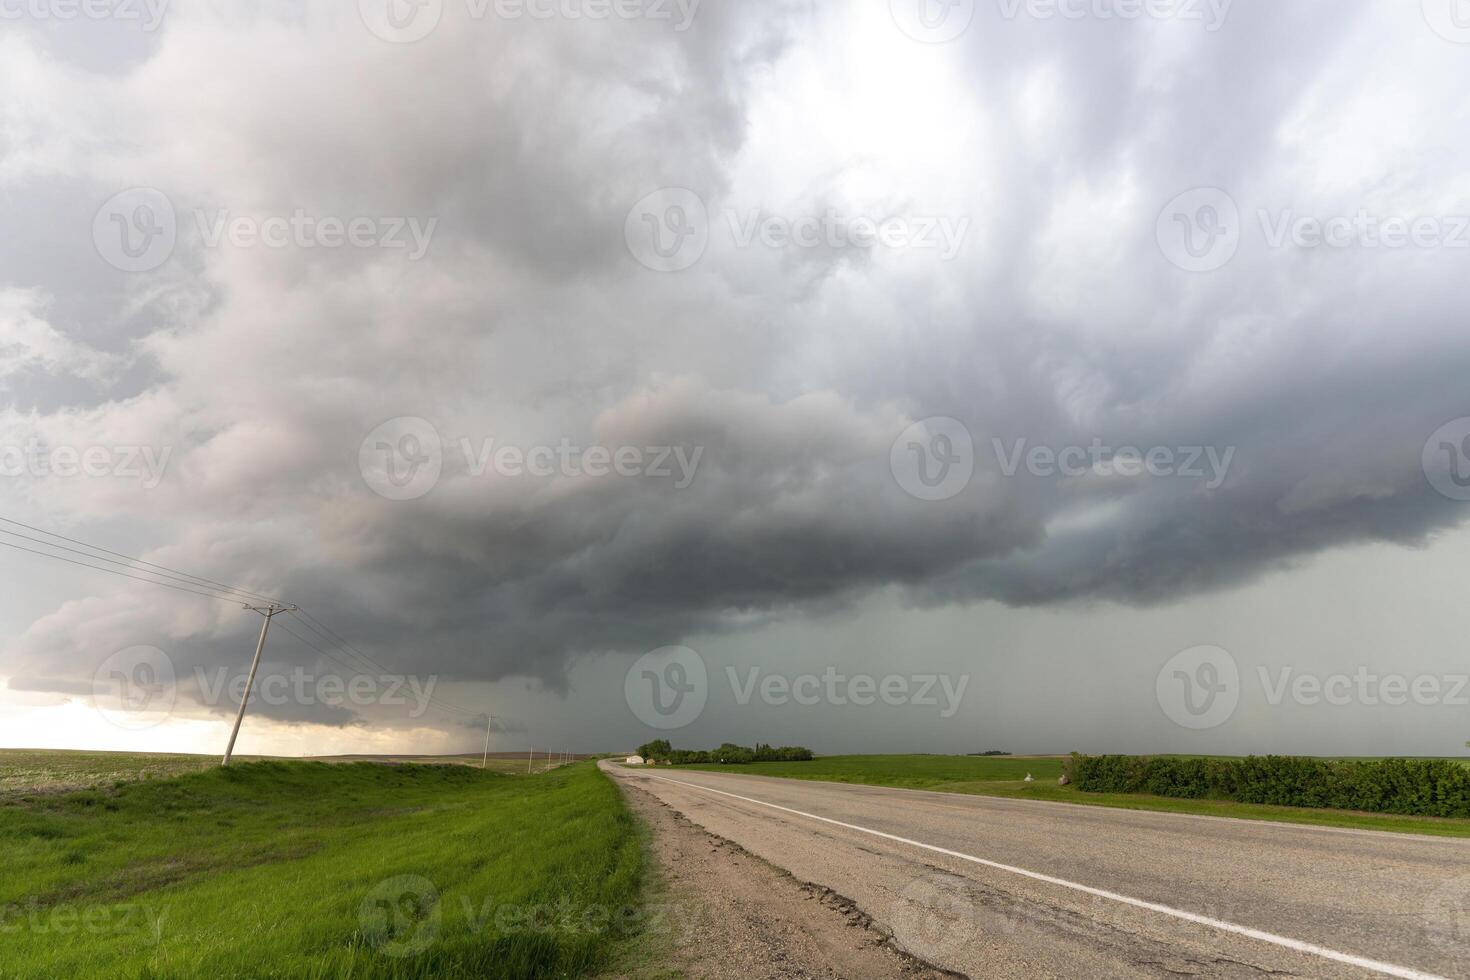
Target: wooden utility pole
[[486, 757], [268, 612]]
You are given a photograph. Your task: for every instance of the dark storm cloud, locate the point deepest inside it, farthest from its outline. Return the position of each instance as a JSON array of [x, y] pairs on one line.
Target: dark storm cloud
[[791, 373]]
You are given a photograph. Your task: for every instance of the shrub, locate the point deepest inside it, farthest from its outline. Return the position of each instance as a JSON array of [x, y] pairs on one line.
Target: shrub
[[1422, 787]]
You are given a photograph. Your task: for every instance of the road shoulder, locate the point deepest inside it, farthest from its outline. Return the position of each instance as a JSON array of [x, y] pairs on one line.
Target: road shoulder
[[721, 913]]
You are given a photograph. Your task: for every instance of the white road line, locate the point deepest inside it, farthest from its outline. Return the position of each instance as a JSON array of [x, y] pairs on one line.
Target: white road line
[[1387, 969], [1103, 812]]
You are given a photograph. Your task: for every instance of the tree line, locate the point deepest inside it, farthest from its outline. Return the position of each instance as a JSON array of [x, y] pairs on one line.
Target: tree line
[[660, 750]]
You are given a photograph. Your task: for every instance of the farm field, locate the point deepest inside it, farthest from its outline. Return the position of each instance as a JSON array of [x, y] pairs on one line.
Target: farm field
[[58, 770], [1005, 776], [315, 870]]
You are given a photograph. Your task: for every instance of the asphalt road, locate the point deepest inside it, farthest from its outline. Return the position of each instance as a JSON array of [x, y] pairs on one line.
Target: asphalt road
[[992, 887]]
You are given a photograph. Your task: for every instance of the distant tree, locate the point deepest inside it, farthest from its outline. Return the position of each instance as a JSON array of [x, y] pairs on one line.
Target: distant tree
[[658, 749], [727, 754]]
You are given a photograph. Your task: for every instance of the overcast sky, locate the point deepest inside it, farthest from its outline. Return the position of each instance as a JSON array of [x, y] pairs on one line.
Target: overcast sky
[[930, 376]]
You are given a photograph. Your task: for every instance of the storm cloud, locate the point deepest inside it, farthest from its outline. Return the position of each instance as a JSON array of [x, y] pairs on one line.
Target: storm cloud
[[757, 391]]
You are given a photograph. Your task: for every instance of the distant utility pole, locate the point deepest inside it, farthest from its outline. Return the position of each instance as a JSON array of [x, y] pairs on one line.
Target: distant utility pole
[[486, 757], [268, 612], [530, 759]]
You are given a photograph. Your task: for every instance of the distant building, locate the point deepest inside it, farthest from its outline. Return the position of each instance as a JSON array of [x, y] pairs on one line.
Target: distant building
[[634, 760]]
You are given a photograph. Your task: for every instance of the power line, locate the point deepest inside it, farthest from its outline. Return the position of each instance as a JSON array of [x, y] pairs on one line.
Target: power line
[[347, 666], [111, 561], [209, 589], [199, 579], [113, 571], [336, 639]]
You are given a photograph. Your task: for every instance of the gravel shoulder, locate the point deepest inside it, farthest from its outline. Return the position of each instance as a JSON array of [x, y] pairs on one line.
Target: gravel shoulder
[[721, 913]]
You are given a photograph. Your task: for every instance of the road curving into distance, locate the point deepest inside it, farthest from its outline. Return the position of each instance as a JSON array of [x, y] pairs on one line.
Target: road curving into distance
[[992, 887]]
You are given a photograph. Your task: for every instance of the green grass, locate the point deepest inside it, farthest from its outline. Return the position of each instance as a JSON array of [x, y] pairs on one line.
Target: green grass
[[907, 771], [298, 869], [1004, 776]]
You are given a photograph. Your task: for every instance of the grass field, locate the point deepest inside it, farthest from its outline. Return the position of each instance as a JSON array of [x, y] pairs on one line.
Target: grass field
[[58, 770], [49, 771], [1005, 776], [299, 869]]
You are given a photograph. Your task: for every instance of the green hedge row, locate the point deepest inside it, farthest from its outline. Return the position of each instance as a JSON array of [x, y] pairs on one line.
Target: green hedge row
[[1425, 787]]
